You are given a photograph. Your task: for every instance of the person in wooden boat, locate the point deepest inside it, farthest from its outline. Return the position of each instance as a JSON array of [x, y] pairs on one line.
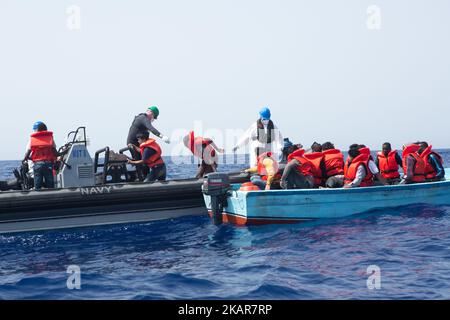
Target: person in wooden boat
[[262, 136], [413, 164], [360, 170], [298, 173], [434, 168], [266, 174], [151, 156], [41, 150], [317, 159], [205, 150], [288, 148], [334, 166], [388, 162]]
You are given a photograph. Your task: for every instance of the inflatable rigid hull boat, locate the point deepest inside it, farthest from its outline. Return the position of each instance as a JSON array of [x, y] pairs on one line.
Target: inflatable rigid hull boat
[[99, 191], [101, 205]]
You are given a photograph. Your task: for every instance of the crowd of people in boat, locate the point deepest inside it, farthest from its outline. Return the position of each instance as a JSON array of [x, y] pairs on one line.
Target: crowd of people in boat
[[276, 163]]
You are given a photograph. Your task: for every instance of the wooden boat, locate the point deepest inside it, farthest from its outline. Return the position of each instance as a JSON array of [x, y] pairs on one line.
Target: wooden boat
[[229, 204]]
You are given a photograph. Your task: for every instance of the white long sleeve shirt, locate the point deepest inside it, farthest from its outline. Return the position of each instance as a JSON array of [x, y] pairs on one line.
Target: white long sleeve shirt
[[251, 137], [361, 173]]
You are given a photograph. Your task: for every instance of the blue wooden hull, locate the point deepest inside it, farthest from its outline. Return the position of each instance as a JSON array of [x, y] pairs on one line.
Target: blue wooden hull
[[288, 206]]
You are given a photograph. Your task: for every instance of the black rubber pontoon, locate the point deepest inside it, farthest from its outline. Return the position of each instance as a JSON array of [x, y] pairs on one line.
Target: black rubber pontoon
[[102, 204]]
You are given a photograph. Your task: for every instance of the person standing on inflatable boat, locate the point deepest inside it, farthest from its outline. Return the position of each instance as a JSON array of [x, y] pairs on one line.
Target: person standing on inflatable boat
[[42, 151], [142, 124], [263, 136]]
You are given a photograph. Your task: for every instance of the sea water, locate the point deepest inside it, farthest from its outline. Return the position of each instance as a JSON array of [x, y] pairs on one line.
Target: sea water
[[392, 254]]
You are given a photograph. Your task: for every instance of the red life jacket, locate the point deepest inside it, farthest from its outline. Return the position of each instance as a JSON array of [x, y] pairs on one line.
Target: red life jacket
[[42, 147], [156, 158], [200, 146], [334, 162], [419, 167], [365, 150], [262, 168], [430, 172], [305, 166], [316, 159], [388, 165], [351, 168]]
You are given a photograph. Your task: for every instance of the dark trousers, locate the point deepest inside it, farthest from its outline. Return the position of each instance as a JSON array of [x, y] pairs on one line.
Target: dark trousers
[[43, 175], [335, 182], [141, 170], [156, 173], [296, 180], [204, 169]]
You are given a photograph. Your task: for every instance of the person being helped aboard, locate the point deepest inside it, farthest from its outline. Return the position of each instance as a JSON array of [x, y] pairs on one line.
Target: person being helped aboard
[[434, 168], [388, 162], [360, 169], [298, 172], [42, 151], [413, 164], [317, 160], [205, 150], [266, 175], [334, 166], [263, 136], [151, 156]]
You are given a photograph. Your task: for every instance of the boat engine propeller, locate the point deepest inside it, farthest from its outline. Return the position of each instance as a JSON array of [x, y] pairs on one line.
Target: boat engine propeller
[[217, 186]]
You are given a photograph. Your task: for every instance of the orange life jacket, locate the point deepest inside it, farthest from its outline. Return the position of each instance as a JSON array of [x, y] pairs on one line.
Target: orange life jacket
[[388, 165], [262, 168], [156, 158], [42, 147], [351, 168], [334, 162], [419, 167], [305, 166], [316, 159], [430, 172], [200, 146]]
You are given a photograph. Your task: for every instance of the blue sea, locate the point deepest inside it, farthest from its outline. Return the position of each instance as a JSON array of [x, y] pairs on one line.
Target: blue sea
[[189, 258]]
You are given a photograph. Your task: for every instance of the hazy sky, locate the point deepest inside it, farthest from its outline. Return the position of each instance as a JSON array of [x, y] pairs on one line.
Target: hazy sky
[[316, 64]]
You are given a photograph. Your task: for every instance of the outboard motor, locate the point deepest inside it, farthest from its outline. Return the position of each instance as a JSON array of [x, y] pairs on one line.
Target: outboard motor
[[217, 186]]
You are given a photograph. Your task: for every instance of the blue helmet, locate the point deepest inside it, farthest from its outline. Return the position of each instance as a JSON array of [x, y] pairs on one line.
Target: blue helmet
[[265, 113], [36, 125]]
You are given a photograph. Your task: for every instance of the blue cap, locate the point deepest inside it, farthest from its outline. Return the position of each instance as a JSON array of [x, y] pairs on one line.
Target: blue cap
[[36, 125], [287, 143], [265, 113]]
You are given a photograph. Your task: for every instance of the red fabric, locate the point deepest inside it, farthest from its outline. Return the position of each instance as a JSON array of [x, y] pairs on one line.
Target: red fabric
[[388, 165], [198, 145], [305, 166], [42, 147], [316, 159], [154, 159], [351, 169], [430, 173], [334, 162], [419, 168]]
